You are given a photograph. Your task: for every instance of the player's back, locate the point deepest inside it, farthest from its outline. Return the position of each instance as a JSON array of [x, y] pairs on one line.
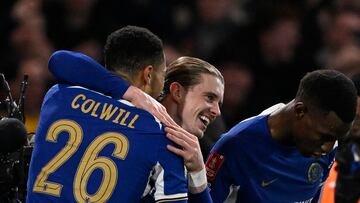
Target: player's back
[[90, 148]]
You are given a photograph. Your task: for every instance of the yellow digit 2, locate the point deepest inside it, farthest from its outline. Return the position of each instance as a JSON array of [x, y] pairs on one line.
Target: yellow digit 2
[[75, 138], [91, 161]]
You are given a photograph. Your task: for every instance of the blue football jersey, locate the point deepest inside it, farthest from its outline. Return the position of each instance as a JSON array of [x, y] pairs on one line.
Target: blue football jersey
[[246, 165], [91, 148]]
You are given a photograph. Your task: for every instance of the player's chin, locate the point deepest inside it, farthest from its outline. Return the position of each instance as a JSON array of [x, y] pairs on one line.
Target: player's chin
[[199, 129], [198, 132]]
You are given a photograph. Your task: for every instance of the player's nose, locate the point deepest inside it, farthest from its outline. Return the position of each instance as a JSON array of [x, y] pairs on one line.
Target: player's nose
[[215, 110]]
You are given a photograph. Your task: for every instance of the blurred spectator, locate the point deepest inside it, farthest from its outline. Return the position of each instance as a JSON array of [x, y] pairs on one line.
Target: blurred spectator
[[209, 24], [239, 82], [273, 56], [171, 53], [348, 4], [346, 60], [68, 21], [29, 38], [214, 25], [8, 57], [271, 44], [341, 29]]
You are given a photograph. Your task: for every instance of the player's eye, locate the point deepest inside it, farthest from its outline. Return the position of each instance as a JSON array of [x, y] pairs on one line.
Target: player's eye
[[210, 98]]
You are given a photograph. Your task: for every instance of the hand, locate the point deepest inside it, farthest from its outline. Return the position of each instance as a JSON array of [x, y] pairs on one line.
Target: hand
[[144, 101], [190, 148]]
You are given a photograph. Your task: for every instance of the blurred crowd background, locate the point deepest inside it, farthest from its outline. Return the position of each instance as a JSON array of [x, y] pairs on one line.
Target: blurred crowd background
[[262, 47]]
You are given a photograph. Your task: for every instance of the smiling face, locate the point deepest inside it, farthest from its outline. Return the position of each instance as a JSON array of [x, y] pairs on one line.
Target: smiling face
[[201, 104]]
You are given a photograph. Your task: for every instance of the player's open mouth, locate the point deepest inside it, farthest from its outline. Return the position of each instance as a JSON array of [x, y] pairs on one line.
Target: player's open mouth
[[205, 120]]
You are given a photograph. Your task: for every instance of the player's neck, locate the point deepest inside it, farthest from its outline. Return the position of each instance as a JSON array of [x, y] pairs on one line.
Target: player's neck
[[280, 123], [125, 77], [172, 109]]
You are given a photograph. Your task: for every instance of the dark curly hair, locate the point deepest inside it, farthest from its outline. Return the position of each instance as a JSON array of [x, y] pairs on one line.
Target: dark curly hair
[[329, 90], [131, 48]]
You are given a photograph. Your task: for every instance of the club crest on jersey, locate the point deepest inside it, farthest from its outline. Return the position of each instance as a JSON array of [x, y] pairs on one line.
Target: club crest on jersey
[[213, 165], [315, 172]]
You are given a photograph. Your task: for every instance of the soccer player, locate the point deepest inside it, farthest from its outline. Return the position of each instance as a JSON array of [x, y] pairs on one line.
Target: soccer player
[[192, 94], [348, 185], [285, 156], [92, 148]]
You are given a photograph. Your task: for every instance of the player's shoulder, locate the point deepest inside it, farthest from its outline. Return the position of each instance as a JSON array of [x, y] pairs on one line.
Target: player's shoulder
[[148, 118], [244, 132], [272, 109], [250, 125], [254, 126]]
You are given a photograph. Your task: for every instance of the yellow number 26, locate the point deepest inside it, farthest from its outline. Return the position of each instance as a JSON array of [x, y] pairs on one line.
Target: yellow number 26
[[88, 164]]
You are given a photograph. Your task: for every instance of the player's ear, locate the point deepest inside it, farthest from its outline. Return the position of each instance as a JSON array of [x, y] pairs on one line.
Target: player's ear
[[146, 75], [300, 110], [176, 91]]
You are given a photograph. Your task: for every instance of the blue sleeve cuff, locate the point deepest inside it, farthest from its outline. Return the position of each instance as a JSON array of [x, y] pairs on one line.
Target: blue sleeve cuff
[[202, 197], [115, 87]]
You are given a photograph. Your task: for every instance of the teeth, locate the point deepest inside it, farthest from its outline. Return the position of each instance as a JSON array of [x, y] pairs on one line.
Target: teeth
[[205, 120]]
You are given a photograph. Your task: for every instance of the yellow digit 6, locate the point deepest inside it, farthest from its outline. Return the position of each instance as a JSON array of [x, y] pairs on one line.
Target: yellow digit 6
[[75, 138], [91, 162]]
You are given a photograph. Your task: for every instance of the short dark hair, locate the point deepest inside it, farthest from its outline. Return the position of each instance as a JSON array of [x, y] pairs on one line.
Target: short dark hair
[[131, 48], [329, 90]]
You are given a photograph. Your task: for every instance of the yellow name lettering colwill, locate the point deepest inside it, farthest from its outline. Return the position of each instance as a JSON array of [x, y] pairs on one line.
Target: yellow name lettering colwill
[[104, 111]]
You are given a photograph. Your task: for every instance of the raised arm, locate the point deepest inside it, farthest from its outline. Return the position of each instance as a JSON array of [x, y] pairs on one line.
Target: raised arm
[[78, 69]]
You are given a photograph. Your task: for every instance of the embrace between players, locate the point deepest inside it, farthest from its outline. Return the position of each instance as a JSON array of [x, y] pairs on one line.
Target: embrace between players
[[85, 150]]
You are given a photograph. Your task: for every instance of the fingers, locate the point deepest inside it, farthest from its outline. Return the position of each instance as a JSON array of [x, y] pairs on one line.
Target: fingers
[[161, 114], [165, 117], [186, 144], [193, 159], [158, 110], [178, 136], [180, 132], [189, 149], [169, 120], [144, 101], [176, 151], [132, 93]]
